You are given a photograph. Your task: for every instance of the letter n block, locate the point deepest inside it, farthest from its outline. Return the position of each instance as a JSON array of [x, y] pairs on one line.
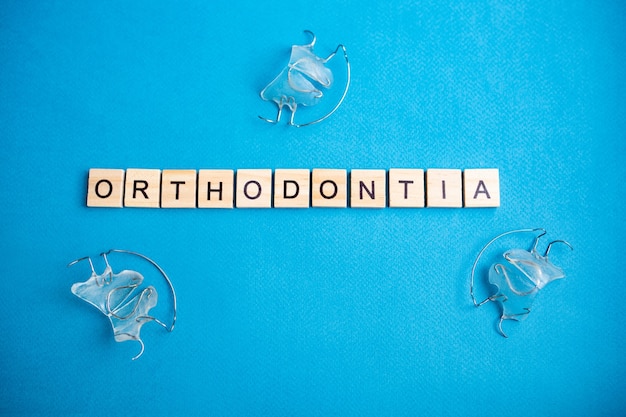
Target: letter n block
[[216, 188], [481, 187], [329, 188], [443, 188], [368, 188], [254, 188], [143, 188], [178, 188], [291, 188], [105, 188]]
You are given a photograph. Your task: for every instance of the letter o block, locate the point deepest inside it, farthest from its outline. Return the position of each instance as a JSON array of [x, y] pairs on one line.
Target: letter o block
[[329, 188], [254, 188], [105, 188]]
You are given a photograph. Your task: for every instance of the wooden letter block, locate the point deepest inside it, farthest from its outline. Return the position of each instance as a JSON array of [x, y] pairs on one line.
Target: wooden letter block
[[254, 188], [368, 188], [291, 188], [443, 188], [216, 188], [329, 188], [178, 188], [143, 188], [105, 188], [481, 187], [406, 187]]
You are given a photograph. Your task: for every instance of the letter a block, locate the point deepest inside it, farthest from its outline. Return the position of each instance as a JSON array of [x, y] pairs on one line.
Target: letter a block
[[105, 188], [443, 188], [329, 188], [481, 187], [178, 188], [216, 188], [368, 188], [291, 188], [143, 188], [254, 188]]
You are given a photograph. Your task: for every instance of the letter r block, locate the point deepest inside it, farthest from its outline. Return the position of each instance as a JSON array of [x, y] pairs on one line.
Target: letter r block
[[105, 188], [143, 188], [178, 188], [481, 187], [291, 188]]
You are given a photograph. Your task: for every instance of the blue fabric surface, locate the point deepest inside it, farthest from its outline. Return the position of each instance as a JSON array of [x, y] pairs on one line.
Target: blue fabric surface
[[315, 312]]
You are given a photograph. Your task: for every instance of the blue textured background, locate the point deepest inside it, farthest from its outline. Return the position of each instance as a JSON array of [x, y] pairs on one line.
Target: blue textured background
[[318, 312]]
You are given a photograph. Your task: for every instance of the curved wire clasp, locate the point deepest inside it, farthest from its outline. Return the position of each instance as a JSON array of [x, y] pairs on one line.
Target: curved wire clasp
[[480, 254], [114, 295], [293, 85], [519, 278]]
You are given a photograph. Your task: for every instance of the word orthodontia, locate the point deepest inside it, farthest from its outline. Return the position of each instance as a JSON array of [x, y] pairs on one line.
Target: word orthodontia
[[296, 188]]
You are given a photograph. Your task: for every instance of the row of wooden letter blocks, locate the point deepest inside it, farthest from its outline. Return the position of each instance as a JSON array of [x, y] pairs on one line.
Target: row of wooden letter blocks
[[293, 188]]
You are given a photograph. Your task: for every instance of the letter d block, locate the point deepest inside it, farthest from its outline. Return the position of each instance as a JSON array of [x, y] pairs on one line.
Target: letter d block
[[481, 187], [143, 188], [291, 188], [254, 188], [105, 188]]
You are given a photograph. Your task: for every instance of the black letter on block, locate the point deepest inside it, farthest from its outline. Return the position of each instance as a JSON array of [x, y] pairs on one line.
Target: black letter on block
[[245, 190], [110, 188], [294, 195], [209, 189], [481, 188], [406, 187], [177, 183], [142, 189], [363, 187], [328, 197]]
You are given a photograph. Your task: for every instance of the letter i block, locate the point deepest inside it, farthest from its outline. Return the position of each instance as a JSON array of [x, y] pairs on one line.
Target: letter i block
[[368, 188], [406, 187], [143, 188], [254, 188], [105, 188], [481, 187], [443, 188], [291, 188], [216, 188], [178, 188], [329, 188]]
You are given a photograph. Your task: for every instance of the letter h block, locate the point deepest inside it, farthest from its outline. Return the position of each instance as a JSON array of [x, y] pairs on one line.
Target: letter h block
[[216, 188]]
